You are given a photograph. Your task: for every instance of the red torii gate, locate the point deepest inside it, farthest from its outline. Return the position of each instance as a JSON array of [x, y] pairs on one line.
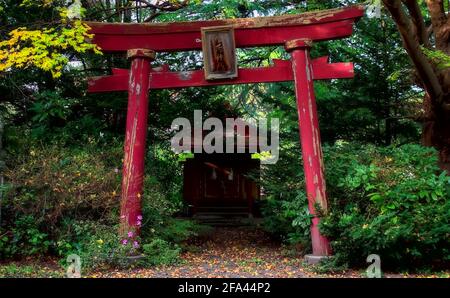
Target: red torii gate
[[295, 32]]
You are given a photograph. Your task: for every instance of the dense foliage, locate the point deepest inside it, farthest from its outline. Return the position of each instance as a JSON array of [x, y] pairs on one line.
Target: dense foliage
[[392, 201], [64, 200]]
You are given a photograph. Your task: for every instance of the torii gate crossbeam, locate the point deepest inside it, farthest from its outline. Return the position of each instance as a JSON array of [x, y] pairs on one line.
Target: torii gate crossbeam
[[295, 32]]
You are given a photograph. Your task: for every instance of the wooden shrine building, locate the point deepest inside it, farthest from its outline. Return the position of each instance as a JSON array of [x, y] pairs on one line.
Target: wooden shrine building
[[224, 184], [220, 184]]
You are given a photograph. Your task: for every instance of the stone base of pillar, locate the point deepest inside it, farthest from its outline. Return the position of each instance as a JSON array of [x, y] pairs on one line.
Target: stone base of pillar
[[314, 260], [133, 260]]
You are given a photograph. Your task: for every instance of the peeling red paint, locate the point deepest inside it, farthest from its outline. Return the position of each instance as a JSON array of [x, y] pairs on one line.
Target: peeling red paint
[[254, 32], [185, 75], [310, 138], [281, 71], [135, 137]]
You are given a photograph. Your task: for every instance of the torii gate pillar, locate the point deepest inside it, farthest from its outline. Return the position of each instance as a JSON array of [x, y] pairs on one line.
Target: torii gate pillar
[[135, 138], [310, 141]]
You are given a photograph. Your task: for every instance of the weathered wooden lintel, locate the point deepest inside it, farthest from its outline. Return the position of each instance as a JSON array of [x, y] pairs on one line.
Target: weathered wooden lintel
[[249, 32]]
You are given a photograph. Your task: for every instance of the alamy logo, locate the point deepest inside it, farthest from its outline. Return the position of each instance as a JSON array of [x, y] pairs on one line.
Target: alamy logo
[[236, 136], [374, 270], [74, 268]]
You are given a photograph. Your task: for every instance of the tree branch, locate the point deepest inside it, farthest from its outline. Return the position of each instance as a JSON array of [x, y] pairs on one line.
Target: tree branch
[[423, 67], [419, 23], [441, 24], [166, 6], [437, 12]]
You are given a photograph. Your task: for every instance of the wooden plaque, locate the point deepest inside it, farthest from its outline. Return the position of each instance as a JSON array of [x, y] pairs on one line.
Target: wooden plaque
[[219, 53]]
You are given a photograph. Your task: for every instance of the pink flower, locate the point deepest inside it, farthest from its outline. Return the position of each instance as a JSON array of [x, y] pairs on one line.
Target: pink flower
[[138, 223], [135, 244], [124, 242], [122, 217], [139, 217], [130, 234]]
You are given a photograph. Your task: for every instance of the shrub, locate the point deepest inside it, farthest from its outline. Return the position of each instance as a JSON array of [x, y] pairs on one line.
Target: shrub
[[391, 201], [25, 238], [66, 200], [51, 188], [104, 248], [179, 230], [54, 182], [161, 252], [158, 208], [284, 207]]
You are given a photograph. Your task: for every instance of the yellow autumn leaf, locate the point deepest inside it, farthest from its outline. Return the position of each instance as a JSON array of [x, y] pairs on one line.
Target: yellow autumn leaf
[[45, 48]]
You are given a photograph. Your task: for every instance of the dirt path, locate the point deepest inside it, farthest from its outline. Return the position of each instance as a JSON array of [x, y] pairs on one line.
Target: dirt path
[[230, 252], [227, 252]]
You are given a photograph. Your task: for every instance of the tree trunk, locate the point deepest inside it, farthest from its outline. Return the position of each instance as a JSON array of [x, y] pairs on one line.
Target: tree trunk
[[433, 79], [436, 132]]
